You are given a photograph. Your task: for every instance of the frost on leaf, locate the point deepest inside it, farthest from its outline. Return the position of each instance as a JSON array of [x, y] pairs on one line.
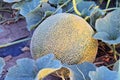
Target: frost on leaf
[[108, 28], [103, 73], [26, 6], [27, 69], [80, 71], [34, 17], [117, 66], [85, 7]]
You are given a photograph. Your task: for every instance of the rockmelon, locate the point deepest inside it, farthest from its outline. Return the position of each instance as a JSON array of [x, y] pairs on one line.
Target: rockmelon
[[66, 35]]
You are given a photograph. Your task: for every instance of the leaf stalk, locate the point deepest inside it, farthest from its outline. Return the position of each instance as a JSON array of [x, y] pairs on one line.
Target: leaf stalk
[[108, 3], [15, 42], [114, 52]]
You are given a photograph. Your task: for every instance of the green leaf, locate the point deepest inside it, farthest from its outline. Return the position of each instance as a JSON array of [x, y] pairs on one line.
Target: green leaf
[[26, 6], [11, 1], [54, 1], [103, 73], [95, 14], [62, 5], [28, 69], [33, 18], [117, 66], [2, 64], [108, 28], [85, 7], [48, 62], [24, 70], [117, 3], [68, 8], [38, 14], [81, 71], [45, 69], [60, 2]]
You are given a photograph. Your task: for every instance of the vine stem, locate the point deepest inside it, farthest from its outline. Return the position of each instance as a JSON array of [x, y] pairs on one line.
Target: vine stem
[[109, 9], [110, 65], [75, 8], [108, 3], [61, 6], [15, 42], [114, 52]]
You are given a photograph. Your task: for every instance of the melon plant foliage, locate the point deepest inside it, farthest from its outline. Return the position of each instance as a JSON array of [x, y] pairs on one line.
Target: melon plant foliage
[[29, 69], [117, 3], [2, 64], [81, 71], [88, 71], [103, 73], [108, 28], [35, 11], [117, 66], [38, 14], [26, 6]]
